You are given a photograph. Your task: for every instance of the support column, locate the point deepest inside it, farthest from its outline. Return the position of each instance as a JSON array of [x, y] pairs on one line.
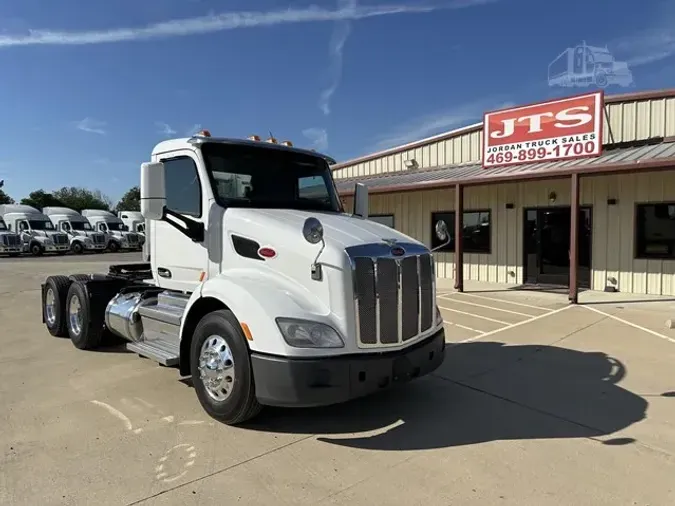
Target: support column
[[459, 238], [574, 236]]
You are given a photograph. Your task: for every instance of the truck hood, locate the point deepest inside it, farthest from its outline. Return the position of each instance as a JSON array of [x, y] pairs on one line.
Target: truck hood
[[42, 234], [340, 230]]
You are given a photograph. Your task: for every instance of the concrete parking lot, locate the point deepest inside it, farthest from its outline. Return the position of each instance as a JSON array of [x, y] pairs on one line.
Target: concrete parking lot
[[538, 403]]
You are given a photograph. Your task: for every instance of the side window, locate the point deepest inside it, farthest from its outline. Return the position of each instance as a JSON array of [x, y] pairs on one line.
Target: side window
[[23, 226], [183, 192], [101, 227], [65, 227]]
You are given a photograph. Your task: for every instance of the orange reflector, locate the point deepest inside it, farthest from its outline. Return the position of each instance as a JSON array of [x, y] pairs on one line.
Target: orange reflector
[[247, 332], [202, 276], [272, 140]]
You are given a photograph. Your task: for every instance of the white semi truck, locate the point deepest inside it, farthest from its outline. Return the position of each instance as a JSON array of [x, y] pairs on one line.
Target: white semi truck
[[134, 222], [38, 235], [264, 294], [10, 243], [82, 235], [118, 238]]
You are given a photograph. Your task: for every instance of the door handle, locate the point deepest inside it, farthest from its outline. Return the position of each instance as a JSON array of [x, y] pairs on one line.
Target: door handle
[[165, 273]]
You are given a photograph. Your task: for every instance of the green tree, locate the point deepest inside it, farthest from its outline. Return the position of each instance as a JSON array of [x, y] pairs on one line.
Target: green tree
[[130, 201], [40, 199], [81, 198], [5, 199]]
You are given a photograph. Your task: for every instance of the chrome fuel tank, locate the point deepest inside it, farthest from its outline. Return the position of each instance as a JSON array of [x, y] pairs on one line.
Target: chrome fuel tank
[[121, 314]]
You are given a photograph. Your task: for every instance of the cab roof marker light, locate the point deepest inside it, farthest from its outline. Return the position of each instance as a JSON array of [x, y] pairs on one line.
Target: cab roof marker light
[[287, 143], [271, 140], [254, 137]]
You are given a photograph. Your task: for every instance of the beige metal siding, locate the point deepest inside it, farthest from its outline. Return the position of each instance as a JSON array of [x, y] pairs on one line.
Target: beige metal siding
[[628, 121], [613, 227]]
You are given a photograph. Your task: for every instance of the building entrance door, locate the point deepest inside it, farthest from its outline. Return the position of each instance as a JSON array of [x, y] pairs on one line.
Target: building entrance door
[[546, 248]]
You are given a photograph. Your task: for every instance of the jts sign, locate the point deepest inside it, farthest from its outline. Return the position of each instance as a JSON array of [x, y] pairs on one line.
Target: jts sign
[[555, 130]]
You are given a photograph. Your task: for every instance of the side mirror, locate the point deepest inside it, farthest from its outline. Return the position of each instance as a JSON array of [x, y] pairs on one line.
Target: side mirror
[[442, 234], [361, 200], [153, 190]]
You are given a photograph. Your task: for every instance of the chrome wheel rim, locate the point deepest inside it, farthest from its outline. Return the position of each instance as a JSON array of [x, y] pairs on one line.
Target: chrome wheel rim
[[75, 314], [50, 301], [216, 368]]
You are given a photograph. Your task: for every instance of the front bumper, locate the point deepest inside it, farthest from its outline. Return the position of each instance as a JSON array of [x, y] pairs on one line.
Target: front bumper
[[56, 247], [10, 249], [281, 381]]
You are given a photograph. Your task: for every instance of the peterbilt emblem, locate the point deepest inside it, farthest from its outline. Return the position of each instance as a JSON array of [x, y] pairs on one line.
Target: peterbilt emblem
[[397, 251]]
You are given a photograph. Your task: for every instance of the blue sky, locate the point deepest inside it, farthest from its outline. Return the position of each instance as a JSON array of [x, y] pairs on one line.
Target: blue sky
[[88, 88]]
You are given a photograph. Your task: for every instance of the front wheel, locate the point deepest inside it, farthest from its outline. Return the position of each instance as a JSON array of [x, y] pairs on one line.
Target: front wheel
[[221, 369], [113, 246], [77, 248], [36, 249]]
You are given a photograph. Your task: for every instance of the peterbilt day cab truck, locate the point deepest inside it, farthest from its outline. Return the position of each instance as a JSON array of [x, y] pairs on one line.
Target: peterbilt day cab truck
[[10, 243], [81, 234], [117, 236], [38, 235], [265, 293]]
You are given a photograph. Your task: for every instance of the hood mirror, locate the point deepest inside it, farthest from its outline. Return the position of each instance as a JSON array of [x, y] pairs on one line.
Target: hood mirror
[[312, 230], [442, 234]]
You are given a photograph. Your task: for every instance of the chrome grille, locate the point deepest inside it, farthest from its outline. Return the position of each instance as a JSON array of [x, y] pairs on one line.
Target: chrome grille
[[98, 238], [133, 238], [11, 240], [60, 239], [393, 296]]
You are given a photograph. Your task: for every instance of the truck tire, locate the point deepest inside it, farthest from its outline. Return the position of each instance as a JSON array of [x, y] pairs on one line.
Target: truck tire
[[83, 321], [221, 369], [54, 304], [114, 246], [77, 248], [36, 249]]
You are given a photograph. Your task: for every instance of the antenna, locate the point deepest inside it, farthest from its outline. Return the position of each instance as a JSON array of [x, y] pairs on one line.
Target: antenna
[[271, 136]]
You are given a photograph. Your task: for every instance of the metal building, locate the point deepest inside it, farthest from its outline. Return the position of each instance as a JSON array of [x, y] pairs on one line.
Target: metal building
[[518, 225]]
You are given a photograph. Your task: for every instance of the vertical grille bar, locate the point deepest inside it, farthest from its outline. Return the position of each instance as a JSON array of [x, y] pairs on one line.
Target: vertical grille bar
[[426, 292], [365, 297], [388, 297], [410, 298]]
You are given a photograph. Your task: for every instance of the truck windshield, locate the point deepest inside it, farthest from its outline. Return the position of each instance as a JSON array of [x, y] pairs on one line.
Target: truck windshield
[[41, 225], [2, 225], [80, 225], [115, 227], [251, 176]]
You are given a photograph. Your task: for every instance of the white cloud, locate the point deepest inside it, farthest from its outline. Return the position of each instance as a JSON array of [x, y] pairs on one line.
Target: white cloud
[[645, 47], [224, 21], [92, 126], [164, 128], [337, 42], [437, 123], [318, 137]]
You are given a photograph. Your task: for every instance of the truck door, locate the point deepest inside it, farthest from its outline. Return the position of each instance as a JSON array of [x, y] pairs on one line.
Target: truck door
[[177, 261]]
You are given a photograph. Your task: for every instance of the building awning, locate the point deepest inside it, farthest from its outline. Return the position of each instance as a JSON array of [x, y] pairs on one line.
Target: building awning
[[654, 154]]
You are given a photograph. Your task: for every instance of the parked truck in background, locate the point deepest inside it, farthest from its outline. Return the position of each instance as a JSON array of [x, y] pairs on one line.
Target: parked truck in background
[[117, 236], [266, 293], [10, 243], [81, 234], [134, 222], [38, 235]]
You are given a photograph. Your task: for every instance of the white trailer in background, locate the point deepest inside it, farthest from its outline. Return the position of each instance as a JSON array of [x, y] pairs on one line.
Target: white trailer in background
[[134, 222], [37, 232], [266, 295], [118, 238], [10, 243], [82, 235]]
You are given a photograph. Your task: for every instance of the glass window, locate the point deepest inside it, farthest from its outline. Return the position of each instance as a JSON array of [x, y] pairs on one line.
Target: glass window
[[2, 225], [385, 219], [80, 225], [655, 231], [183, 193], [477, 229], [267, 177], [41, 225]]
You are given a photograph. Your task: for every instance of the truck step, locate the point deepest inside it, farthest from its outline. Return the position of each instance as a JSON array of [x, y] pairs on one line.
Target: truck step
[[159, 350], [172, 300]]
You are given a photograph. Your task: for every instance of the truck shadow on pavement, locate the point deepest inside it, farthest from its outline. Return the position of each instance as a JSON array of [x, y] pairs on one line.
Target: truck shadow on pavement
[[484, 391]]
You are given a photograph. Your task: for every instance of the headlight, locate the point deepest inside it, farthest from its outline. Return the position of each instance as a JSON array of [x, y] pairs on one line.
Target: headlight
[[49, 241], [308, 334], [439, 316]]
